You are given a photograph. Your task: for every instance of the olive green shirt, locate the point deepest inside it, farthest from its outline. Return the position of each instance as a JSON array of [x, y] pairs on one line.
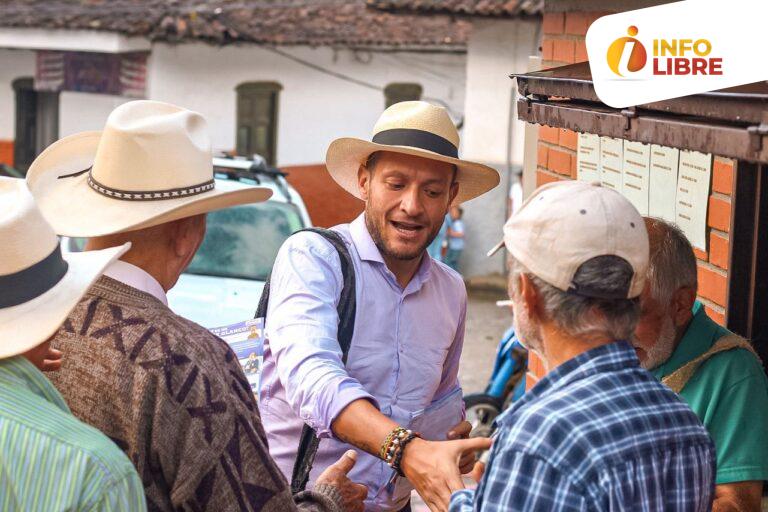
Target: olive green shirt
[[729, 394]]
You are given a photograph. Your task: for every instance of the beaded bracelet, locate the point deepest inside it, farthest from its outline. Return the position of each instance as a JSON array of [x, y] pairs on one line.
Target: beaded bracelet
[[385, 446], [399, 456], [392, 448]]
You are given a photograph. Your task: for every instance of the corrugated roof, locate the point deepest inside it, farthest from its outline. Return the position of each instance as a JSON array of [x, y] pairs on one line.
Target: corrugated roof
[[279, 22]]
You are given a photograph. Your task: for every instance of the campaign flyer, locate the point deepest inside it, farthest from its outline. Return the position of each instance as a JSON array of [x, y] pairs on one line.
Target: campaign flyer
[[247, 341]]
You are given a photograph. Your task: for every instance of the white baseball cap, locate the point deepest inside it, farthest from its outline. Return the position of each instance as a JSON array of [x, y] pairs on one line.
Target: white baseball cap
[[563, 225]]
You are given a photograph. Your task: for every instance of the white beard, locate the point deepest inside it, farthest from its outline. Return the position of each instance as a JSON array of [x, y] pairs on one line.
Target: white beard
[[664, 346], [527, 334]]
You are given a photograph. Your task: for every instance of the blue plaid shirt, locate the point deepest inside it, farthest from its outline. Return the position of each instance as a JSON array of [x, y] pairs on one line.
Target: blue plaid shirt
[[597, 433]]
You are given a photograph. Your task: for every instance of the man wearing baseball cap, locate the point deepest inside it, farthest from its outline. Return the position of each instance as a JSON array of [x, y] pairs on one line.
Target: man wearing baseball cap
[[597, 432], [48, 459]]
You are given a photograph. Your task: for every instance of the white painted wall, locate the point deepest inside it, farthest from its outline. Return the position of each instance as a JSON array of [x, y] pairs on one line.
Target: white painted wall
[[492, 133], [13, 64], [314, 108], [81, 111]]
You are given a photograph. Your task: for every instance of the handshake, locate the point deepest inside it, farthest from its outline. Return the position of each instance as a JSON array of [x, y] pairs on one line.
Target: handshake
[[434, 468]]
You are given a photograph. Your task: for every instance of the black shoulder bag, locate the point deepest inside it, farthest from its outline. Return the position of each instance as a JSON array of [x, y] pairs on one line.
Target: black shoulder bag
[[309, 442]]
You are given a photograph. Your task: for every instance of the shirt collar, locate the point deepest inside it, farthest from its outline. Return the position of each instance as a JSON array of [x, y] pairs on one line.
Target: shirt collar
[[367, 250], [605, 358], [18, 372], [137, 278], [701, 333]]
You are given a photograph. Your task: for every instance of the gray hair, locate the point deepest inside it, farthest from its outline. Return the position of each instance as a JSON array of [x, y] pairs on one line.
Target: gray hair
[[581, 316], [672, 261]]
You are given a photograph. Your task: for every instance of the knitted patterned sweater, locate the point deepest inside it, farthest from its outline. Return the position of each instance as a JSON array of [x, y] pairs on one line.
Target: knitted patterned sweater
[[172, 396]]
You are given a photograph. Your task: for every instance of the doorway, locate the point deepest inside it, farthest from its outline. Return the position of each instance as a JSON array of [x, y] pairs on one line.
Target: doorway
[[37, 122]]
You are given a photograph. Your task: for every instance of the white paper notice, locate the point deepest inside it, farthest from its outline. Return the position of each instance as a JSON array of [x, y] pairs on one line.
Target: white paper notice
[[635, 174], [611, 151], [588, 162], [663, 185], [693, 196]]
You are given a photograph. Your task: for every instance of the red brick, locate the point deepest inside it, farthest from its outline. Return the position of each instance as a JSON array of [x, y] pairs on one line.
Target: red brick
[[542, 178], [712, 285], [547, 49], [549, 134], [568, 139], [576, 23], [553, 23], [6, 152], [541, 155], [559, 161], [702, 255], [718, 250], [581, 52], [722, 176], [719, 216], [715, 315], [564, 51]]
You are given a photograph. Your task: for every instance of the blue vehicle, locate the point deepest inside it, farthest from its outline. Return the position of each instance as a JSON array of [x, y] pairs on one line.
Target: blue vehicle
[[507, 384]]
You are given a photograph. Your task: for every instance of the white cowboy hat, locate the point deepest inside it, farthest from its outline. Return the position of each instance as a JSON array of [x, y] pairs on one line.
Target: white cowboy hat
[[413, 128], [150, 165], [38, 287]]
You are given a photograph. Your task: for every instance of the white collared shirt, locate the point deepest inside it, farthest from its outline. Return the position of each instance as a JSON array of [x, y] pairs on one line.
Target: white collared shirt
[[136, 277]]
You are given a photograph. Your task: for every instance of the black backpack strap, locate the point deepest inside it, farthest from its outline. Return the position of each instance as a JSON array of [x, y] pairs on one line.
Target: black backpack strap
[[346, 309]]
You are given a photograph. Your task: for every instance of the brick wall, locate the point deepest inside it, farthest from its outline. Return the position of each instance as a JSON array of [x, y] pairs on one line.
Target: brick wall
[[327, 203], [563, 43], [6, 152]]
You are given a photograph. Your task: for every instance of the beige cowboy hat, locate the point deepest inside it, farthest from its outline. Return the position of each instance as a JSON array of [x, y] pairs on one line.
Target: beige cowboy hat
[[413, 128], [150, 165], [38, 286]]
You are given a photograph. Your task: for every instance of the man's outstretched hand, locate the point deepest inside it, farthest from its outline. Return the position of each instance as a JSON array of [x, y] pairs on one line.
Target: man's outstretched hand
[[433, 467], [336, 475]]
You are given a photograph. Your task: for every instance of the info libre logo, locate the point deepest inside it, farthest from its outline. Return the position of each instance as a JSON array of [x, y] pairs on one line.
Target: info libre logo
[[627, 55]]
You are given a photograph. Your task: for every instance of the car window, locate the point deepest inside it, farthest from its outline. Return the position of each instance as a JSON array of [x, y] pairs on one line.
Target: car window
[[242, 241]]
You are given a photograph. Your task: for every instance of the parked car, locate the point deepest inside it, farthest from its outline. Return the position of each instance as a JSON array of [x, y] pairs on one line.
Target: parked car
[[223, 283]]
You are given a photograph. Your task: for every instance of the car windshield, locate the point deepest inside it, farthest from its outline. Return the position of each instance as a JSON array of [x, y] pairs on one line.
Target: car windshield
[[242, 241]]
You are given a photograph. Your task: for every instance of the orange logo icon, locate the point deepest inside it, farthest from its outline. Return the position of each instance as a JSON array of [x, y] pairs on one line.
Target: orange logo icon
[[637, 54]]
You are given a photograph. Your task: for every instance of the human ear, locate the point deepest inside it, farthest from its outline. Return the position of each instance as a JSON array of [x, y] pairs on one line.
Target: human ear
[[453, 193], [529, 296], [681, 305], [186, 238], [363, 181]]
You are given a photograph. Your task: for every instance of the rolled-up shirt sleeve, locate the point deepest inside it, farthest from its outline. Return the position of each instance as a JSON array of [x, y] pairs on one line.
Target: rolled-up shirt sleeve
[[302, 325]]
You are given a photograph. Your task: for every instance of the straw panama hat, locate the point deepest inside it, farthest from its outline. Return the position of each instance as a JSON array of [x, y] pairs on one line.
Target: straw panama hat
[[38, 287], [150, 165], [413, 128]]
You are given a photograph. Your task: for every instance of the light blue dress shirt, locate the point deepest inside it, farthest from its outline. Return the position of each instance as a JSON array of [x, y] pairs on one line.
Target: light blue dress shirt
[[404, 355]]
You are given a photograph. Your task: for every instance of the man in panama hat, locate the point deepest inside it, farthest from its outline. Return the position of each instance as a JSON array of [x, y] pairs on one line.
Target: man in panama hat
[[166, 390], [400, 378], [48, 459]]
